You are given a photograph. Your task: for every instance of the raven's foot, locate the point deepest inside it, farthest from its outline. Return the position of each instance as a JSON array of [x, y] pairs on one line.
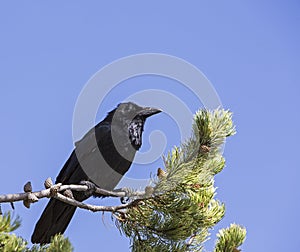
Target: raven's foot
[[91, 188], [127, 196], [124, 200]]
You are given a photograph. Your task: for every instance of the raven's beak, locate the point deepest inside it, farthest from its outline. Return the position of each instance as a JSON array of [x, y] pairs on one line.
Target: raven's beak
[[148, 111]]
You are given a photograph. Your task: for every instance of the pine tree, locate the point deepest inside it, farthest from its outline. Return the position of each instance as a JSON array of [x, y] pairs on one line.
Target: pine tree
[[178, 209], [9, 242], [182, 207]]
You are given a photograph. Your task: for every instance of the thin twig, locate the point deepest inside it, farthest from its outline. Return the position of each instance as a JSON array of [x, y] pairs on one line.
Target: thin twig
[[95, 208], [191, 240]]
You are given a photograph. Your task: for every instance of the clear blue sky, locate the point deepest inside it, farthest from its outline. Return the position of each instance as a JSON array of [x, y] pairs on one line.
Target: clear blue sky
[[249, 50]]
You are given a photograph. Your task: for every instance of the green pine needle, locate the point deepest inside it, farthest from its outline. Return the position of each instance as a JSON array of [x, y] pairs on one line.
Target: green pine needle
[[183, 207], [229, 239], [7, 224], [11, 243]]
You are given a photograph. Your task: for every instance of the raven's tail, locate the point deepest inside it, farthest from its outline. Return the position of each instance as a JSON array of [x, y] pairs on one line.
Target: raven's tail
[[55, 219]]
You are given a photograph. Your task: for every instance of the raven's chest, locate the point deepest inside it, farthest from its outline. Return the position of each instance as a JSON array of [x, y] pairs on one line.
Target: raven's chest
[[135, 131]]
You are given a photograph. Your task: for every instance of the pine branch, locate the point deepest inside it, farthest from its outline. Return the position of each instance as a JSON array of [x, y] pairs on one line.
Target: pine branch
[[230, 239], [95, 208], [175, 214], [57, 190], [10, 242], [182, 208]]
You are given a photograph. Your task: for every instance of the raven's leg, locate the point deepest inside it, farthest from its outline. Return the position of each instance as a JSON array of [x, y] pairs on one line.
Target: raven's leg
[[91, 191]]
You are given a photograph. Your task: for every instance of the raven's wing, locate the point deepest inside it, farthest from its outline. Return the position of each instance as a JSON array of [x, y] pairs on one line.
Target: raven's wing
[[96, 158], [99, 158], [57, 215], [72, 172], [104, 168]]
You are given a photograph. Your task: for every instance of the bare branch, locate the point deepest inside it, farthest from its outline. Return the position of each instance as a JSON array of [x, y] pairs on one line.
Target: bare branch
[[54, 191]]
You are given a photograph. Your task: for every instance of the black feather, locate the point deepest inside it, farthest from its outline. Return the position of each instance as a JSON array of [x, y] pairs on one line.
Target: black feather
[[117, 137]]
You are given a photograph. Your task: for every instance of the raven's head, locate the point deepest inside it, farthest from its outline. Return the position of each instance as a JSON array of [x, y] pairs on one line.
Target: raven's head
[[132, 117], [130, 110]]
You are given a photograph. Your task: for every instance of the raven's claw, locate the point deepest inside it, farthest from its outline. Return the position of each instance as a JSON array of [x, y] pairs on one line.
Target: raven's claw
[[91, 187]]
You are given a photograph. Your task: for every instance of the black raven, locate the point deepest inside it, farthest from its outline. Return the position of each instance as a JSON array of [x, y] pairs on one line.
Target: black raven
[[102, 157]]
